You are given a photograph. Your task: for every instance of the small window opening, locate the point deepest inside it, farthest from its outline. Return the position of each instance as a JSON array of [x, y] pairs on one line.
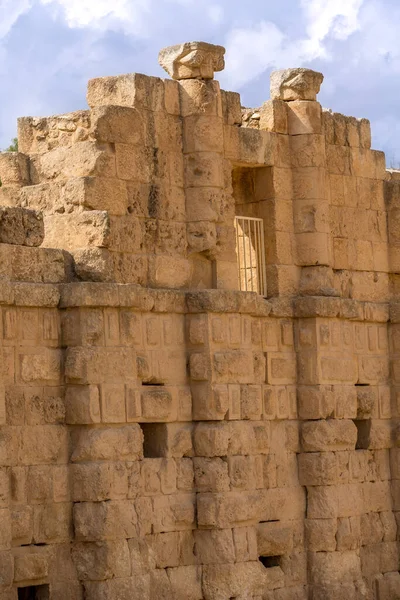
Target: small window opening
[[250, 250], [361, 384], [363, 433], [270, 561], [153, 383], [154, 439], [34, 592]]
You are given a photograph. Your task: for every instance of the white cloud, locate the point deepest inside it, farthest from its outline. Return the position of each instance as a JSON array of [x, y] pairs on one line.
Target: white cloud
[[10, 11], [251, 50], [125, 15], [337, 19]]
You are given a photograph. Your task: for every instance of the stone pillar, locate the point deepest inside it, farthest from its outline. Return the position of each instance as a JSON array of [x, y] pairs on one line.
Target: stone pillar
[[298, 88], [211, 242]]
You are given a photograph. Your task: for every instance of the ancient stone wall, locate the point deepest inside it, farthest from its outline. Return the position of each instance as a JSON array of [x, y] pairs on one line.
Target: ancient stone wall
[[162, 433]]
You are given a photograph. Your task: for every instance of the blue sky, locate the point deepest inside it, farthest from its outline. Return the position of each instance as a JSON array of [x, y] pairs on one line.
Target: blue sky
[[50, 48]]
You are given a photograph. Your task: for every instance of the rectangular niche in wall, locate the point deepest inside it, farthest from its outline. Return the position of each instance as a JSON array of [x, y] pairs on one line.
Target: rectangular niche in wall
[[34, 592], [250, 189]]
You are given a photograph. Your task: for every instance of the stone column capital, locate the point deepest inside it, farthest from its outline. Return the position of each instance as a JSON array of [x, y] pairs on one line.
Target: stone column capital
[[295, 84], [192, 60]]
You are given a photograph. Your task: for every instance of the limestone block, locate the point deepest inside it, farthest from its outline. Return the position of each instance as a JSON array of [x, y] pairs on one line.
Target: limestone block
[[345, 402], [80, 160], [203, 170], [210, 402], [203, 204], [328, 435], [234, 366], [111, 520], [158, 405], [214, 546], [117, 124], [175, 512], [321, 534], [241, 579], [225, 275], [198, 96], [82, 405], [315, 402], [192, 60], [273, 116], [14, 169], [318, 468], [229, 509], [94, 264], [165, 548], [43, 444], [94, 482], [255, 148], [37, 265], [88, 193], [169, 271], [6, 570], [371, 529], [231, 108], [137, 588], [100, 365], [211, 474], [101, 560], [30, 565], [118, 443], [10, 196], [21, 226], [304, 117], [366, 402], [388, 586], [76, 231], [202, 133], [5, 529], [53, 523], [186, 582], [274, 539], [308, 150], [132, 89], [348, 534], [295, 84], [328, 568], [281, 368], [112, 403], [211, 439]]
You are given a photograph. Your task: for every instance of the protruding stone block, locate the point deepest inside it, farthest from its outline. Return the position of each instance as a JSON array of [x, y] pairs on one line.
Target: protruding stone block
[[295, 84], [21, 226], [192, 60], [14, 169]]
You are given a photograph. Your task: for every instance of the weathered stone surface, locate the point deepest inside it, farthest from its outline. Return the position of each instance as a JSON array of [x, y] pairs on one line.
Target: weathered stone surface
[[295, 84], [21, 226], [192, 60], [14, 169]]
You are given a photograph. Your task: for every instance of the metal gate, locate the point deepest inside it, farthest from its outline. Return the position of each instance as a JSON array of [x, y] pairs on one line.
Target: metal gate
[[251, 254]]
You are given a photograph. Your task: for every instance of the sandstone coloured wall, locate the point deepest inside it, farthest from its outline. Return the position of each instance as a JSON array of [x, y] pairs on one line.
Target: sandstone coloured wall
[[162, 433]]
